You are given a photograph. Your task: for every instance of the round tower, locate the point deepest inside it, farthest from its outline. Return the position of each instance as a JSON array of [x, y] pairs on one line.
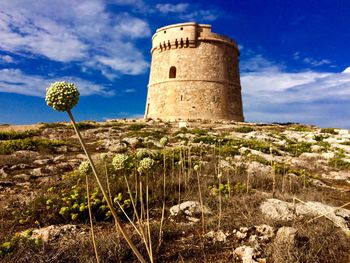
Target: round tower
[[194, 75]]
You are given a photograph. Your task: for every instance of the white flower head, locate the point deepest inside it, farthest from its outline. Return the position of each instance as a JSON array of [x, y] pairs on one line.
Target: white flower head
[[196, 167], [163, 141], [145, 165], [119, 161], [62, 96], [85, 167]]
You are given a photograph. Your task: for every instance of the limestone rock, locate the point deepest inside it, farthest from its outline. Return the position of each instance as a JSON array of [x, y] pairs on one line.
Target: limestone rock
[[246, 254], [280, 210], [53, 232], [217, 236], [191, 209], [286, 235], [43, 161], [277, 209]]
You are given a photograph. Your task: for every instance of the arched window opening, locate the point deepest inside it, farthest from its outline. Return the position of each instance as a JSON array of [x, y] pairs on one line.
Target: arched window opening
[[181, 43], [187, 42], [172, 72], [181, 97]]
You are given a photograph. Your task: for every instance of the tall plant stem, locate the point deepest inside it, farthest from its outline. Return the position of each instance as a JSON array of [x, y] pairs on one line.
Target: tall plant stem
[[107, 181], [163, 208], [109, 203], [90, 218], [201, 201]]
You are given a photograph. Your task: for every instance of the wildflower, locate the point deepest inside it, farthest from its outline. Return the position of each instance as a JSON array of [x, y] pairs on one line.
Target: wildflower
[[62, 96], [103, 156], [145, 164], [196, 167], [163, 141], [74, 216], [84, 167], [119, 161]]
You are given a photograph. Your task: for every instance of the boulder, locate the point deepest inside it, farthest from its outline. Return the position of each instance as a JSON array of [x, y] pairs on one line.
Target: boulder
[[217, 236], [280, 210], [53, 232], [191, 209], [246, 254]]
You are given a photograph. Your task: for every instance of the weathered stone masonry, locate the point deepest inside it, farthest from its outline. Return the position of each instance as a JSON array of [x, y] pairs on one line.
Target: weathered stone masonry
[[194, 75]]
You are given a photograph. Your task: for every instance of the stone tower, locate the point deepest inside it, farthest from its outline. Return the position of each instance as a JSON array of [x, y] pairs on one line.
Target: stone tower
[[194, 75]]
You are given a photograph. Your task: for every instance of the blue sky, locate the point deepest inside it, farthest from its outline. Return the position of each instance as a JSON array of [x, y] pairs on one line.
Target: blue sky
[[295, 55]]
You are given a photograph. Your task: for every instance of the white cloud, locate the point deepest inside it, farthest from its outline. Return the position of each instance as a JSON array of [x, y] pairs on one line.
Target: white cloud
[[15, 81], [188, 12], [311, 61], [201, 15], [316, 63], [270, 93], [130, 90], [172, 8], [73, 30], [6, 59]]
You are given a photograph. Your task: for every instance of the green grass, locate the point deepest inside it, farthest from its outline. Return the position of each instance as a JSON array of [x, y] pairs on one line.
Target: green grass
[[12, 135], [10, 146], [243, 129], [302, 128], [329, 130], [136, 126], [52, 125], [297, 148]]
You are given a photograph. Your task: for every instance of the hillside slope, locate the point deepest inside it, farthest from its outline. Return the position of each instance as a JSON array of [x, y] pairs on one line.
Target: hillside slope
[[272, 193]]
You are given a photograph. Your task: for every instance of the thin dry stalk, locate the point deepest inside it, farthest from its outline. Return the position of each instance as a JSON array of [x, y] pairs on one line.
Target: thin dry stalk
[[109, 203], [327, 213], [322, 214], [90, 218], [201, 201], [107, 180], [140, 222], [163, 208]]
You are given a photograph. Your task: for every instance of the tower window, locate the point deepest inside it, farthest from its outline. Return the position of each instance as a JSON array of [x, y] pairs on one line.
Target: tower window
[[181, 98], [172, 72], [181, 28]]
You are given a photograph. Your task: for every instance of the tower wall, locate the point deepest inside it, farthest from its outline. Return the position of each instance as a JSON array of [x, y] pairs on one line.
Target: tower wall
[[206, 84]]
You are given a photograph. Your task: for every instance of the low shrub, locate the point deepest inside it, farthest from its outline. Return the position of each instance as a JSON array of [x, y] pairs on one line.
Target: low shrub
[[243, 129], [10, 146], [136, 126], [329, 130], [12, 135], [52, 125]]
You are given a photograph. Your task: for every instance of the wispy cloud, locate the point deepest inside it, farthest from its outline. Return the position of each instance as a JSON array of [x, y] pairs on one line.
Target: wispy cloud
[[74, 31], [188, 12], [15, 81], [311, 61], [271, 93], [6, 59], [130, 90]]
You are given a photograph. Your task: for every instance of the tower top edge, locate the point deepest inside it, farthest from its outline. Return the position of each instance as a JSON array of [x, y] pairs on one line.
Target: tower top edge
[[183, 24], [170, 36]]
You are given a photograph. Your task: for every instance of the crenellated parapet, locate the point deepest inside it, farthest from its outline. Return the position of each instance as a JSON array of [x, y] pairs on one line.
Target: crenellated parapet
[[186, 35]]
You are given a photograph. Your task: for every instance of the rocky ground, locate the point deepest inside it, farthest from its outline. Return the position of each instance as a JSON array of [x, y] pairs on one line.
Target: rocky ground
[[270, 193]]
